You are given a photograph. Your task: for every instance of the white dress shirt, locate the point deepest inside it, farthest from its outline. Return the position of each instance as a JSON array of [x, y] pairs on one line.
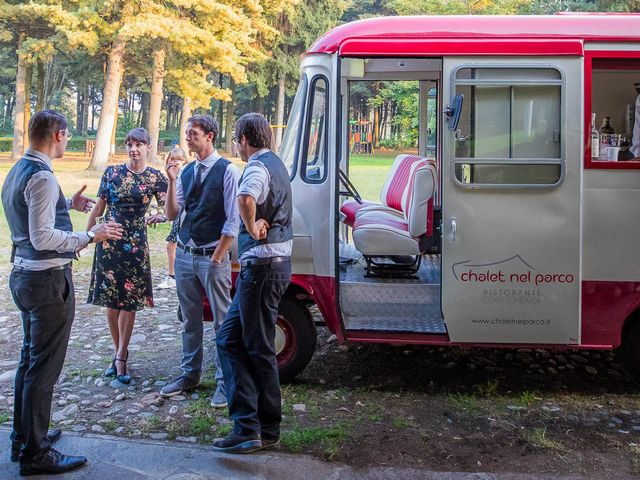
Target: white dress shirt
[[41, 195], [255, 183], [230, 185]]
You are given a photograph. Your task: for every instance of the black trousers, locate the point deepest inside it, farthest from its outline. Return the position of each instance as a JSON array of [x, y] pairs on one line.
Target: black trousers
[[246, 350], [47, 302]]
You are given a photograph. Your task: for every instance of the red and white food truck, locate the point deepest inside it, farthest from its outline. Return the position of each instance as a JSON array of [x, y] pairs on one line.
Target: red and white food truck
[[514, 223]]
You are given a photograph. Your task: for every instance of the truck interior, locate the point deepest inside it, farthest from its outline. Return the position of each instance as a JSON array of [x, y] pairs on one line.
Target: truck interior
[[389, 187]]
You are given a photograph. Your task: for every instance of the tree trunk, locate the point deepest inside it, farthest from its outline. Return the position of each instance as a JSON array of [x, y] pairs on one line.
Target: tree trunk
[[3, 105], [282, 82], [221, 103], [171, 109], [228, 133], [18, 122], [93, 110], [109, 110], [186, 113], [85, 108], [114, 132], [79, 112], [144, 110], [260, 104], [8, 112], [27, 106], [155, 103], [40, 87]]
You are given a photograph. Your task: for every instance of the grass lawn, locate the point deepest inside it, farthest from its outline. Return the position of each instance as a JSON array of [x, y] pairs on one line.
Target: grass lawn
[[368, 173]]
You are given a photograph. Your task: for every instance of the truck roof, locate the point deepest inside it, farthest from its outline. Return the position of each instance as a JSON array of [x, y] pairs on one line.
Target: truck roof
[[591, 27]]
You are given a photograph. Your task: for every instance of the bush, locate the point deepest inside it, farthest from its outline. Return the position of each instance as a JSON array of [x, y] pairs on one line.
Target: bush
[[6, 144]]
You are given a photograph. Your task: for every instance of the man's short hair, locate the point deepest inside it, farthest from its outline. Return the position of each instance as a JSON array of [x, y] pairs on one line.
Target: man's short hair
[[256, 129], [207, 123], [138, 135], [44, 124]]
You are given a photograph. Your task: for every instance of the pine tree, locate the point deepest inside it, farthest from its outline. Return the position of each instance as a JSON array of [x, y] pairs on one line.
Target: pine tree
[[39, 29]]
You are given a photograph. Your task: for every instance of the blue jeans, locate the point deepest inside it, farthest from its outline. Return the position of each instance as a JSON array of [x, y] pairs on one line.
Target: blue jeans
[[246, 349], [193, 274]]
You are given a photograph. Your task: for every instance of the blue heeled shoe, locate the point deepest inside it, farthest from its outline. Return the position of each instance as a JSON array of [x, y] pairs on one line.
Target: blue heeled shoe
[[124, 378]]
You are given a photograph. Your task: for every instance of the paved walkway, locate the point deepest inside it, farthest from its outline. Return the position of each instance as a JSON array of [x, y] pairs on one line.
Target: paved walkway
[[112, 458]]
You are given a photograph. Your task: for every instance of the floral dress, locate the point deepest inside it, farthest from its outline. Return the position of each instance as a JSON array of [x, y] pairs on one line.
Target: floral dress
[[121, 276]]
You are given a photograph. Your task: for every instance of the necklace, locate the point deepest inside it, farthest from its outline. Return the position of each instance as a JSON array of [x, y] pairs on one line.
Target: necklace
[[133, 171]]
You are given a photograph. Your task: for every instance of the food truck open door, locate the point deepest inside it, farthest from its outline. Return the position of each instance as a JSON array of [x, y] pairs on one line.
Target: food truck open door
[[511, 200]]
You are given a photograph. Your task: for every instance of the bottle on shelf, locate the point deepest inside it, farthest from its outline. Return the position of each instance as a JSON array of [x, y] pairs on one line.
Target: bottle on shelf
[[606, 126], [595, 138], [606, 137]]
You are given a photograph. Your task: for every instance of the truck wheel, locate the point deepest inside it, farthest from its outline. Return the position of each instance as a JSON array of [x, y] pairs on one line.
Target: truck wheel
[[630, 349], [295, 338]]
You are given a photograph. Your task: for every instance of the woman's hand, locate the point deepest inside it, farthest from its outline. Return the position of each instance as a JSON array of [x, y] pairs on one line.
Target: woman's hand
[[153, 220]]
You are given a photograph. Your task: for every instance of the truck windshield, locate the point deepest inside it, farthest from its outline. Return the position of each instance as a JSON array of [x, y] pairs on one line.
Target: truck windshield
[[291, 140]]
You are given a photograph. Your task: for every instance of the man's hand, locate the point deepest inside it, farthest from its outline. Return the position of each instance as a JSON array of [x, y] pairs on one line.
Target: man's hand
[[217, 258], [107, 231], [81, 203], [153, 220], [172, 167], [261, 229]]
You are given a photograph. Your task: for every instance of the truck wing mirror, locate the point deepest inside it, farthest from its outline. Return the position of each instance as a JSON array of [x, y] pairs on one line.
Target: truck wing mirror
[[452, 113]]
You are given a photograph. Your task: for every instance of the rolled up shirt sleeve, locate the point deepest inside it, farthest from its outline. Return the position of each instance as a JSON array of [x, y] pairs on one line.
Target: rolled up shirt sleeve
[[231, 226], [179, 191], [255, 182], [41, 195]]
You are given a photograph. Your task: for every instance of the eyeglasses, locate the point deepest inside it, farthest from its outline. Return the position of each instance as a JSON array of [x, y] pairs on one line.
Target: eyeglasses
[[67, 134], [234, 140]]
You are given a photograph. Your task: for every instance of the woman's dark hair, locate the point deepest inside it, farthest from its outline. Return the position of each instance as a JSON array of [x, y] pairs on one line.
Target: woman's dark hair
[[207, 123], [45, 124], [138, 135], [256, 129]]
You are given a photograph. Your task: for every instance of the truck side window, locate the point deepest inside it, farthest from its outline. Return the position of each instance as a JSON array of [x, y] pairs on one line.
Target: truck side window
[[292, 133], [509, 130], [613, 139], [315, 146]]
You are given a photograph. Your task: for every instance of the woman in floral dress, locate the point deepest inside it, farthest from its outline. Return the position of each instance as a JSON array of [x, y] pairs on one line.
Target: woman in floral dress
[[121, 276]]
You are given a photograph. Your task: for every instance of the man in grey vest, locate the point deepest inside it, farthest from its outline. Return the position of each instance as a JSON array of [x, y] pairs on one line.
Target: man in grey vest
[[42, 287], [205, 194], [246, 339]]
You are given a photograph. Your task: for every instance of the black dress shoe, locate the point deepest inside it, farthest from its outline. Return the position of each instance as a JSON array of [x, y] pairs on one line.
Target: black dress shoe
[[50, 461], [234, 443], [53, 436]]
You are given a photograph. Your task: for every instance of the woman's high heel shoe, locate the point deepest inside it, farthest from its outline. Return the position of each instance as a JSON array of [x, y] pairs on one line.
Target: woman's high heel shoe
[[111, 371], [125, 377]]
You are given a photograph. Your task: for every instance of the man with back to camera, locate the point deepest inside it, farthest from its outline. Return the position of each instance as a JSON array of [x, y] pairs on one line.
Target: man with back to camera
[[246, 339], [42, 287], [206, 192]]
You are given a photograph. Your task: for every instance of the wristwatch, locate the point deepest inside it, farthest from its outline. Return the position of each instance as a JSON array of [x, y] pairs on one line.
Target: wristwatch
[[91, 236]]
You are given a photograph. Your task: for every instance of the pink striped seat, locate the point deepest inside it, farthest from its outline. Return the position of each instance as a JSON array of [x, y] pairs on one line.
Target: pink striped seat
[[398, 227], [393, 191]]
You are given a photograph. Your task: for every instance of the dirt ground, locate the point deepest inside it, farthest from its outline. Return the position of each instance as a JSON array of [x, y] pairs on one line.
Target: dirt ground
[[528, 411]]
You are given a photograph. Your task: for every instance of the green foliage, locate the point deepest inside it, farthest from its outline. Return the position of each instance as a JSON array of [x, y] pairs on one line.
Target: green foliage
[[329, 438], [4, 417], [539, 439], [490, 389], [464, 404]]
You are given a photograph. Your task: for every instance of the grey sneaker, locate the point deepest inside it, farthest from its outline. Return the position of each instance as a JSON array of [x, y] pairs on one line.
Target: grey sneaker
[[269, 442], [219, 399], [179, 385]]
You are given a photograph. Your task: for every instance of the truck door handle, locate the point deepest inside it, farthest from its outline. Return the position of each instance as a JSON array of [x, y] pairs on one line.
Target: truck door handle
[[453, 229]]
